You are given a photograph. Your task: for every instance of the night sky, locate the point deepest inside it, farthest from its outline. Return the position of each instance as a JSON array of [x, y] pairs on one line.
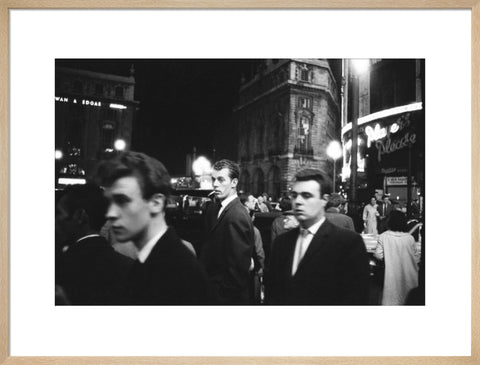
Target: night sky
[[183, 103]]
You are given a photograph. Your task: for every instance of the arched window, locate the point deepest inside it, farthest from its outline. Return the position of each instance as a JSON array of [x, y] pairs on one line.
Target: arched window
[[258, 182], [107, 137], [273, 181], [245, 181], [304, 134]]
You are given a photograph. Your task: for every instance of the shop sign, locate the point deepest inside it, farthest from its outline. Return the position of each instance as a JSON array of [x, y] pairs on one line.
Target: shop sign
[[63, 99], [396, 180], [390, 145]]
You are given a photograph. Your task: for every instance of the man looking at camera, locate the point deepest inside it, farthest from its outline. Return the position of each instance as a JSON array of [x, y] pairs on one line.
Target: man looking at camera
[[317, 263], [230, 239]]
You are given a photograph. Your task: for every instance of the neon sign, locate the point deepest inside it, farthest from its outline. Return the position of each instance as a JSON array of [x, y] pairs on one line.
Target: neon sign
[[64, 99], [389, 145]]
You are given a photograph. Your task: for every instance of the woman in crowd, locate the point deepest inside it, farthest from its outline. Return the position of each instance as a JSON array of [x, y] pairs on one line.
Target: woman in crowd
[[370, 215], [401, 256]]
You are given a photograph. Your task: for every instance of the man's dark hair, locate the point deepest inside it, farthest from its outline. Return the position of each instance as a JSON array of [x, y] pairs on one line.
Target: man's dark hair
[[90, 199], [151, 174], [233, 168], [285, 204], [334, 201], [397, 221], [315, 175]]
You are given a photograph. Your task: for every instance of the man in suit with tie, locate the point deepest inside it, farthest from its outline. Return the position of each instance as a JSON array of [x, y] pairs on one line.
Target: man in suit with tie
[[227, 252], [166, 272], [317, 263]]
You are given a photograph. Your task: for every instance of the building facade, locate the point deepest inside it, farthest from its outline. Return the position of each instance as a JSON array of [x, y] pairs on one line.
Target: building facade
[[390, 129], [285, 118], [94, 116]]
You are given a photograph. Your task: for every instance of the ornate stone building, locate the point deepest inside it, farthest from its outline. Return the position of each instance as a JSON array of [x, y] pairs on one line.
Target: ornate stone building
[[92, 111], [286, 116]]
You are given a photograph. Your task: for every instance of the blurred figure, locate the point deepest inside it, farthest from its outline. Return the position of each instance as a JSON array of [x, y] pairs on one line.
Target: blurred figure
[[370, 215], [228, 249], [257, 264], [332, 213], [266, 201], [284, 222], [401, 256], [251, 203], [137, 187], [262, 207], [384, 208], [319, 263], [89, 271]]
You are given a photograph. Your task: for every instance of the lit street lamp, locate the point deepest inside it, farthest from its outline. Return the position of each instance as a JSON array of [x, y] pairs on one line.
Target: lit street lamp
[[334, 151], [203, 168], [120, 144]]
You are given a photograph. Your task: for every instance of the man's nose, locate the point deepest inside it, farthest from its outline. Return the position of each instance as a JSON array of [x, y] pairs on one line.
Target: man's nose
[[111, 212]]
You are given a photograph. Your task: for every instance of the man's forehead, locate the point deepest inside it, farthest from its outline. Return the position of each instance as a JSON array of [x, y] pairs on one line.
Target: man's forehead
[[127, 185], [310, 186], [223, 172]]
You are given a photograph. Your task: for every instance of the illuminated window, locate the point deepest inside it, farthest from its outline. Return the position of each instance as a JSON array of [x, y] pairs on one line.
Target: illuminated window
[[107, 137], [305, 103], [304, 134]]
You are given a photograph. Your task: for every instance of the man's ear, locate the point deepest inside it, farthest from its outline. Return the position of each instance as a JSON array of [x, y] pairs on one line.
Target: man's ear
[[234, 182], [157, 203]]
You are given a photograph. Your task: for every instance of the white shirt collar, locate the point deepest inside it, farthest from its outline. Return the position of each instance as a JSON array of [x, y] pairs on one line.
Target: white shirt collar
[[316, 226], [226, 201], [143, 254]]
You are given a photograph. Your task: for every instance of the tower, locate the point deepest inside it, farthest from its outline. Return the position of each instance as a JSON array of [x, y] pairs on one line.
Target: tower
[[286, 115]]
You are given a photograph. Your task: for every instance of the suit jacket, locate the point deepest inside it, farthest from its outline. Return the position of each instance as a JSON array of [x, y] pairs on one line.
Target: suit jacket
[[227, 251], [339, 219], [92, 272], [171, 275], [333, 271]]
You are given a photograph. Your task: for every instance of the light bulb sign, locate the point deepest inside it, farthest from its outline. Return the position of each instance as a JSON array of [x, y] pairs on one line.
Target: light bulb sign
[[65, 99]]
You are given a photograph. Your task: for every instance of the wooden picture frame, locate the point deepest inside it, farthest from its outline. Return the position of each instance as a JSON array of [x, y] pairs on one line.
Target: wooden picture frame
[[7, 5]]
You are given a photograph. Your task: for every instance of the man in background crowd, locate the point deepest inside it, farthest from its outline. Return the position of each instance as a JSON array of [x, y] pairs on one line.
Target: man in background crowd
[[227, 252], [332, 213]]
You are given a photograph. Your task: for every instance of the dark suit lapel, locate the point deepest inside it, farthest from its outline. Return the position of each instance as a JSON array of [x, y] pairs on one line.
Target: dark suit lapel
[[229, 205], [289, 247], [318, 241]]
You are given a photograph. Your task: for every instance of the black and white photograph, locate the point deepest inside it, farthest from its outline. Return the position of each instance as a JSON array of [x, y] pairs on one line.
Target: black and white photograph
[[240, 181], [191, 185]]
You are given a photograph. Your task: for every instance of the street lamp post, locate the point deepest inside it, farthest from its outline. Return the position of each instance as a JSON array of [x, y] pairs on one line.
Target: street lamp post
[[334, 151]]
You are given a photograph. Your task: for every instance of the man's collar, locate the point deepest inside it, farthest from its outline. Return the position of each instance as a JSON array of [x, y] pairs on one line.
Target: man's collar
[[316, 226], [143, 254], [226, 201]]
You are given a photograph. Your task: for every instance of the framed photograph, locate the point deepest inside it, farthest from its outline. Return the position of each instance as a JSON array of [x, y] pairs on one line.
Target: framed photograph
[[44, 47]]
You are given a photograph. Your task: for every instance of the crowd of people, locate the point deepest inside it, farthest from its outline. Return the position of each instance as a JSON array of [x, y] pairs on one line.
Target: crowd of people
[[316, 257]]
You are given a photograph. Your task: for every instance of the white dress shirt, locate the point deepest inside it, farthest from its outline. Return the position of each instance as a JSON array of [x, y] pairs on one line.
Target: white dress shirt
[[225, 202], [143, 254], [303, 242]]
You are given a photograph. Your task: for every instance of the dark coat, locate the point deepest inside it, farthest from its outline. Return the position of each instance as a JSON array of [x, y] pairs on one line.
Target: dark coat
[[333, 271], [92, 272], [227, 251], [171, 275], [339, 219]]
